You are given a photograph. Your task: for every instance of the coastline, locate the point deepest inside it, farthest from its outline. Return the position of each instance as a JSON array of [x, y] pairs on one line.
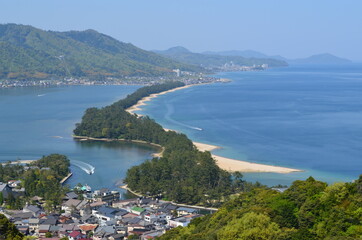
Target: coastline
[[142, 102], [85, 138], [233, 165], [224, 163]]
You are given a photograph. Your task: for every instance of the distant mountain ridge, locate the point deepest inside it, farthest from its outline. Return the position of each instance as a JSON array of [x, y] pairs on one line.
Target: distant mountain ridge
[[209, 59], [325, 58], [27, 52]]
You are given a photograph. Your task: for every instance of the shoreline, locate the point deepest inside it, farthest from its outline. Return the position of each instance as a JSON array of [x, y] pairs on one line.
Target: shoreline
[[18, 162], [232, 165], [85, 138], [227, 164], [142, 102]]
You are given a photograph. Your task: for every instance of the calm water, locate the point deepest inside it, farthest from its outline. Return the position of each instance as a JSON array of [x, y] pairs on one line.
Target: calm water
[[300, 117], [306, 118], [39, 121]]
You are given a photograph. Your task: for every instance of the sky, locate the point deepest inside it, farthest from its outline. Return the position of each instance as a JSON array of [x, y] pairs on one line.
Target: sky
[[293, 29]]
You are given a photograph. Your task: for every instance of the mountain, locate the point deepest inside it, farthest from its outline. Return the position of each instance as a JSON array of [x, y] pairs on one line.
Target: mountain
[[27, 52], [210, 60], [325, 58], [174, 50], [245, 53]]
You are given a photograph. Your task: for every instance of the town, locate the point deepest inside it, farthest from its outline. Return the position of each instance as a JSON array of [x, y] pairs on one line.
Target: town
[[100, 214], [182, 76]]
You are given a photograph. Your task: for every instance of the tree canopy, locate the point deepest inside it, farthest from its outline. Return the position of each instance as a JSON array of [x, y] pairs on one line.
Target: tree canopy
[[307, 210]]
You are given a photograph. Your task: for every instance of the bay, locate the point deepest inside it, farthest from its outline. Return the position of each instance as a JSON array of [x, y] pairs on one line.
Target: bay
[[37, 121]]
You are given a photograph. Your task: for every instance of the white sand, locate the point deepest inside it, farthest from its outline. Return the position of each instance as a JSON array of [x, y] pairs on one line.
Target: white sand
[[143, 101]]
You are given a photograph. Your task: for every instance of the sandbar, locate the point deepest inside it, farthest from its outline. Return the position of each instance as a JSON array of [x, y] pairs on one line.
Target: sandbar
[[142, 102], [224, 163]]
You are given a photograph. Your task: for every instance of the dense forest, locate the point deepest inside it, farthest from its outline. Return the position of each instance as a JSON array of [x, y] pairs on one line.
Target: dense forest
[[8, 231], [182, 174], [30, 53], [307, 210], [39, 178]]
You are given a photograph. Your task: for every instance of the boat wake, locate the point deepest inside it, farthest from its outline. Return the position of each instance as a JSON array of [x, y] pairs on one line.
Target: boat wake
[[170, 111], [89, 169]]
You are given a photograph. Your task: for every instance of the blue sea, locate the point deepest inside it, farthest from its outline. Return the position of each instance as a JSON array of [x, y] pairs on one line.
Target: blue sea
[[302, 117]]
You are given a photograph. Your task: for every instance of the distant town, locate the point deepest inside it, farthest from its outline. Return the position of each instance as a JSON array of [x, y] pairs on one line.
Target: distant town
[[186, 77], [98, 215]]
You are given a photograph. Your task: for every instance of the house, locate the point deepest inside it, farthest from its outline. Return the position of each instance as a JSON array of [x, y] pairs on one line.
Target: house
[[73, 204], [124, 203], [104, 232], [137, 210], [23, 229], [71, 195], [48, 220], [185, 211], [97, 204], [167, 208], [75, 235], [105, 213], [14, 183], [87, 228], [43, 229], [33, 224], [5, 190], [182, 221], [154, 217], [105, 195], [118, 236], [54, 229], [152, 234], [32, 209]]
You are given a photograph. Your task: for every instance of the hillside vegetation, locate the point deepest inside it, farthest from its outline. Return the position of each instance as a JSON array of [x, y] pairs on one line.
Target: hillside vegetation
[[308, 210], [41, 179], [27, 52]]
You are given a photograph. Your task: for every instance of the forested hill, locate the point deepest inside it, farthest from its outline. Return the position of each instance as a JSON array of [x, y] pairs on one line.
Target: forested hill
[[307, 210], [182, 54], [27, 52]]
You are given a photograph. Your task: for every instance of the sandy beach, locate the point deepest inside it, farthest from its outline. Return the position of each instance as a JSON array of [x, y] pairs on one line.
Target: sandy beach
[[227, 164], [143, 101], [233, 165]]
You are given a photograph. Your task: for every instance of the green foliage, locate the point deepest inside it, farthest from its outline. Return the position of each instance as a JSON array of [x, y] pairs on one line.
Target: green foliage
[[8, 231], [250, 226], [307, 210], [182, 174], [10, 172], [41, 179], [58, 163], [27, 52], [48, 235]]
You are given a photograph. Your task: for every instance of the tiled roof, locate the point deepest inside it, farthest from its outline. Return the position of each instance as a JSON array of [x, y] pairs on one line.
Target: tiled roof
[[88, 227]]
